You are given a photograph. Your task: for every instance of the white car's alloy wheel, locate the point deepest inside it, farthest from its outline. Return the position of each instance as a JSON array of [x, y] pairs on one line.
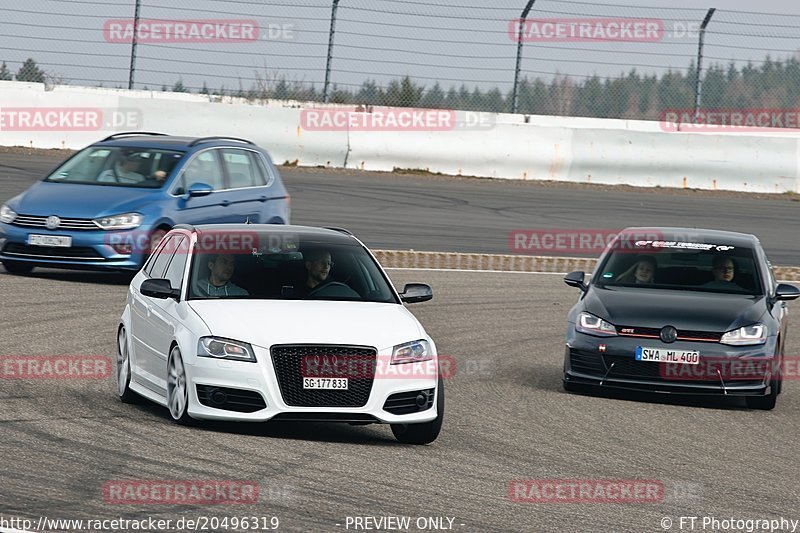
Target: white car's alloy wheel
[[124, 368], [177, 397]]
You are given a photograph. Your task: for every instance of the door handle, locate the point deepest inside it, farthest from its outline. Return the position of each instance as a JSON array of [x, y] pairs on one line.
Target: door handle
[[262, 198], [225, 203]]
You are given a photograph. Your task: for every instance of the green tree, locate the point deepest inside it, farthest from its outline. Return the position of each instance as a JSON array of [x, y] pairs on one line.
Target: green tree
[[5, 74], [29, 71], [179, 87]]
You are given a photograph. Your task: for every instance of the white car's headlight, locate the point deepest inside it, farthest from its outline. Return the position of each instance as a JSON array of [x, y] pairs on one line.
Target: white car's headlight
[[412, 352], [593, 325], [124, 221], [7, 214], [220, 348], [746, 336]]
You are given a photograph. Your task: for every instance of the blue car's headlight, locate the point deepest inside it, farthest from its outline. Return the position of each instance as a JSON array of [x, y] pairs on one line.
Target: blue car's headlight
[[593, 325], [412, 352], [746, 336], [124, 221], [220, 348], [7, 214]]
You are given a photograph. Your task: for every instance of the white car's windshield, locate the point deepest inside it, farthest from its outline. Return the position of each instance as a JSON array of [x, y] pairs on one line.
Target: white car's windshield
[[300, 270], [120, 167], [711, 267]]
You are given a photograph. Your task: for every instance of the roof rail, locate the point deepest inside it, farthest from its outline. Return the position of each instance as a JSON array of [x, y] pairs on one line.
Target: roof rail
[[219, 138], [188, 227], [130, 134], [341, 230]]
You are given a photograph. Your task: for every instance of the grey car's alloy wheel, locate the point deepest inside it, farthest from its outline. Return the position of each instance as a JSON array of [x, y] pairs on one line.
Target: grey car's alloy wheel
[[124, 368], [177, 390]]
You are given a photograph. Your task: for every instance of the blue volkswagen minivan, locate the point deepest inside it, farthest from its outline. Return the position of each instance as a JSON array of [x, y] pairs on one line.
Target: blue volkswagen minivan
[[109, 204]]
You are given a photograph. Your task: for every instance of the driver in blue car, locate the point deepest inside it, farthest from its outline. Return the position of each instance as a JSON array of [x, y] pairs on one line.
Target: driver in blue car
[[218, 283], [124, 171]]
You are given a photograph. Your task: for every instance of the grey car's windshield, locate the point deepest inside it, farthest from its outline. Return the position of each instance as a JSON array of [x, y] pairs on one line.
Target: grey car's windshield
[[258, 265], [118, 167], [710, 267]]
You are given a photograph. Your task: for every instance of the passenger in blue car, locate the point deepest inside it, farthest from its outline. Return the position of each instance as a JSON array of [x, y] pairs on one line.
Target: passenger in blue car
[[123, 171], [218, 283]]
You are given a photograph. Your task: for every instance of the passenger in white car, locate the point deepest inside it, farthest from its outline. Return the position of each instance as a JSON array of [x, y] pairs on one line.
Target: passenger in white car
[[218, 283]]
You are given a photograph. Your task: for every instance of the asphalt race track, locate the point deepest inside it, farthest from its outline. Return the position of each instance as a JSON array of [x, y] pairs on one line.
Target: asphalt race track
[[472, 215], [506, 419]]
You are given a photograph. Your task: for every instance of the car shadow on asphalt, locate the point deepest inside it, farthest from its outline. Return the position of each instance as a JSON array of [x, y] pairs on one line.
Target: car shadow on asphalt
[[77, 276], [549, 378], [329, 432]]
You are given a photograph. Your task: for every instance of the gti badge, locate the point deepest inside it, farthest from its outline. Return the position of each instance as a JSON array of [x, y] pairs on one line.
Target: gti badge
[[52, 222]]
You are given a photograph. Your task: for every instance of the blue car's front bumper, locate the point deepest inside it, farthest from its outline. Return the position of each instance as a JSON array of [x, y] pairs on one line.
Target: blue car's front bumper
[[91, 249]]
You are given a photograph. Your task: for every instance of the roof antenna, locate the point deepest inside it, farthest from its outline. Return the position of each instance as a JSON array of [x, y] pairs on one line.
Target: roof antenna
[[247, 221]]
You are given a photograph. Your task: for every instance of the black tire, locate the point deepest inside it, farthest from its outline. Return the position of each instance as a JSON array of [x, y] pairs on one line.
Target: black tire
[[126, 395], [426, 432], [764, 403], [18, 268]]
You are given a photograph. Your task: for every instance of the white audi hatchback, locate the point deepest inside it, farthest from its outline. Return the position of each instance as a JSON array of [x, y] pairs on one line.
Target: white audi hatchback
[[268, 322]]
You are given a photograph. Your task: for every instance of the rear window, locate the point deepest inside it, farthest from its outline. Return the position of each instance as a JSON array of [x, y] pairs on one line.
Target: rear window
[[696, 266]]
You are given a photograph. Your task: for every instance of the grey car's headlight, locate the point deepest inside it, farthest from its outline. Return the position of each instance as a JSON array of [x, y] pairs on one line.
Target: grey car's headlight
[[593, 325], [746, 336], [124, 221], [7, 214], [412, 352], [220, 348]]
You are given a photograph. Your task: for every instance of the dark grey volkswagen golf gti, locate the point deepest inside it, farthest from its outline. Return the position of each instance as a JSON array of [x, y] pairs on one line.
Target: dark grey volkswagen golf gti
[[677, 310]]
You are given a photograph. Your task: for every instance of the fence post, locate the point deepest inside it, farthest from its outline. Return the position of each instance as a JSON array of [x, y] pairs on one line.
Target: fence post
[[698, 86], [520, 27], [133, 45], [325, 90]]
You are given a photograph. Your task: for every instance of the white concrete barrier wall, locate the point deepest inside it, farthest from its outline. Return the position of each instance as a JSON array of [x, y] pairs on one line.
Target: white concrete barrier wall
[[577, 149]]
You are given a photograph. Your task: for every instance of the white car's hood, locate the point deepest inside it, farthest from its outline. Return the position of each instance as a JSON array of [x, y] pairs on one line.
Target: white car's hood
[[268, 322]]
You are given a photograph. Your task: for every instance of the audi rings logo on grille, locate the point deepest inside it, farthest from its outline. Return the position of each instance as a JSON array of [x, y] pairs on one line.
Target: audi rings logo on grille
[[52, 222], [669, 334], [325, 360]]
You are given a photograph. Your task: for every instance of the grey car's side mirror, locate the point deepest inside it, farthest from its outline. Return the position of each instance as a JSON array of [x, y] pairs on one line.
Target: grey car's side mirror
[[575, 279], [784, 291]]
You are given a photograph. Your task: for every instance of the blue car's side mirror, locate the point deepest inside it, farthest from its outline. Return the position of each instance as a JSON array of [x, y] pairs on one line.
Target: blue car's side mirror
[[200, 189]]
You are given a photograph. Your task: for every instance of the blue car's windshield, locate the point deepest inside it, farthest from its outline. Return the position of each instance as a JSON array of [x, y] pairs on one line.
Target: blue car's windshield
[[708, 267], [118, 167]]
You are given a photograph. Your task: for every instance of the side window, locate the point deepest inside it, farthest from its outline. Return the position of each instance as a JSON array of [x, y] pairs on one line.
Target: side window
[[239, 167], [264, 172], [160, 260], [204, 168], [176, 267]]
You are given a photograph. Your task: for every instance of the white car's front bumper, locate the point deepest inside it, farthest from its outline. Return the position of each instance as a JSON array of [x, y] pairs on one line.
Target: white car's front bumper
[[260, 378]]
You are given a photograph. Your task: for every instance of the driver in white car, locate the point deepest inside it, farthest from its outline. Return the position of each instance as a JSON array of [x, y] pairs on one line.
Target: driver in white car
[[318, 264]]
